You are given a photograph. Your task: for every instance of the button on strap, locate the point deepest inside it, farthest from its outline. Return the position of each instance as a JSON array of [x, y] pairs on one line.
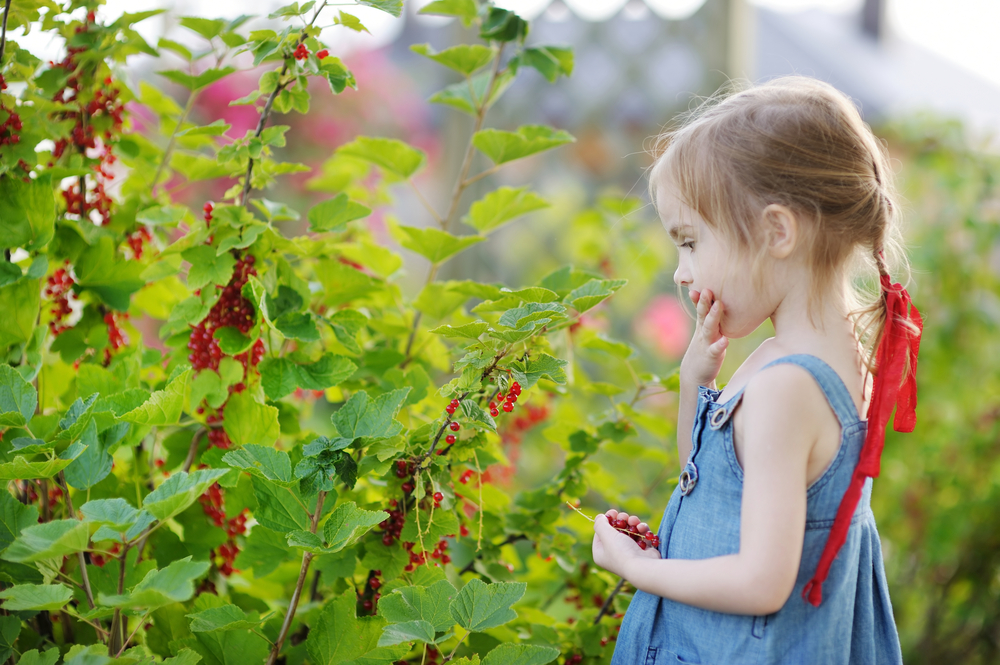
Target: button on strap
[[688, 478]]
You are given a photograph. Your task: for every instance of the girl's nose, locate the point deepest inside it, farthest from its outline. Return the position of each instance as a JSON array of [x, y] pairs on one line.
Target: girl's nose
[[682, 276]]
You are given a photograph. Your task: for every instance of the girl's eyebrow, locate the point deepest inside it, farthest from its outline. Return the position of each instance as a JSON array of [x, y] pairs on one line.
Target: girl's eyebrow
[[678, 231]]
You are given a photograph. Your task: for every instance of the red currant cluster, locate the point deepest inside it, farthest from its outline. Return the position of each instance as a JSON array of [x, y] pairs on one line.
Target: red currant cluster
[[574, 659], [231, 309], [466, 476], [301, 53], [392, 526], [322, 53], [634, 528], [212, 503], [207, 209], [57, 288], [369, 597], [439, 552], [137, 240], [509, 400], [10, 127], [536, 414], [216, 435], [99, 559], [116, 336]]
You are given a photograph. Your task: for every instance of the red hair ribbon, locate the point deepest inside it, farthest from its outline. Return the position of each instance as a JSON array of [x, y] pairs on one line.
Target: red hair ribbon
[[898, 347]]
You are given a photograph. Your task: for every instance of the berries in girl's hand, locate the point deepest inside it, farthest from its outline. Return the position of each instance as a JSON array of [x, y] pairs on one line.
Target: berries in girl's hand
[[633, 527]]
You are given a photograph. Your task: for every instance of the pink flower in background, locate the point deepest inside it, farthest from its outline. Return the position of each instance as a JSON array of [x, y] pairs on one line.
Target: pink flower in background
[[665, 326]]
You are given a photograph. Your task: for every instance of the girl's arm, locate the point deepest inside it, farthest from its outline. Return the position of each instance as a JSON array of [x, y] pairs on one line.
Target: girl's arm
[[782, 411], [701, 364]]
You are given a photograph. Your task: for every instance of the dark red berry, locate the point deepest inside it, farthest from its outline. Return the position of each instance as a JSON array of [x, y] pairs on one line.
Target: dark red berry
[[450, 439], [454, 426], [438, 496]]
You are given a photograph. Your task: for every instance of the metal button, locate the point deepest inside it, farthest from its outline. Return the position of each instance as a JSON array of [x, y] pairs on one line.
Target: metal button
[[718, 417], [689, 478]]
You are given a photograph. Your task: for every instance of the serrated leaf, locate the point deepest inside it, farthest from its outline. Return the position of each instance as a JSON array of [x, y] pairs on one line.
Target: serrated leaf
[[325, 373], [39, 597], [279, 508], [550, 61], [464, 58], [34, 657], [173, 584], [480, 606], [247, 421], [466, 10], [394, 7], [362, 416], [202, 80], [347, 523], [501, 206], [14, 518], [593, 292], [93, 464], [521, 654], [429, 604], [390, 154], [335, 213], [164, 406], [407, 631], [468, 331], [117, 513], [519, 317], [262, 461], [265, 550], [18, 398], [475, 414], [434, 244], [207, 267], [231, 340], [179, 491], [298, 325], [503, 147], [48, 540], [537, 367], [206, 27], [227, 617], [338, 637]]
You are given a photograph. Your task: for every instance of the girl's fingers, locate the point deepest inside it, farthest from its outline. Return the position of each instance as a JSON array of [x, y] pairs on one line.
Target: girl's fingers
[[704, 303], [611, 514], [713, 319], [633, 520], [719, 346], [694, 295]]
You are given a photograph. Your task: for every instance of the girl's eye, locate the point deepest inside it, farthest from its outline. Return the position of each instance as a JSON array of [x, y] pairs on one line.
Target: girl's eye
[[688, 244]]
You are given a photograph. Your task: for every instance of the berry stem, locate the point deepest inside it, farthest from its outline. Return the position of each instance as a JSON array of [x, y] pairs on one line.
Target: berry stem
[[607, 603], [3, 37]]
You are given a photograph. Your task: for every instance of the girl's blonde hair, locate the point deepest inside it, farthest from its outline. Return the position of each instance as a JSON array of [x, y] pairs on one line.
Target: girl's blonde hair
[[801, 143]]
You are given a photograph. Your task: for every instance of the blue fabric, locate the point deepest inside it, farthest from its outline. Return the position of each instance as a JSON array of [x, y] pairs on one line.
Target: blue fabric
[[852, 626]]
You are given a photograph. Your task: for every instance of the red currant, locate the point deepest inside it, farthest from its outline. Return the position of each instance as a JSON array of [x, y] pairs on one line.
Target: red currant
[[438, 496], [508, 407], [454, 426], [450, 439]]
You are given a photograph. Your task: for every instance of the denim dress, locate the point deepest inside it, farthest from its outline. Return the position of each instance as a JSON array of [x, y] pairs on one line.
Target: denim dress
[[853, 625]]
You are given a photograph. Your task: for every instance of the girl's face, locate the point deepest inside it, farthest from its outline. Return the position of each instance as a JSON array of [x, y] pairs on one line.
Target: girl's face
[[708, 262]]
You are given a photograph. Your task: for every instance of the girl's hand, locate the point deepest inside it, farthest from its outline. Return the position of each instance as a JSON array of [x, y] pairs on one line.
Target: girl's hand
[[707, 349], [613, 550]]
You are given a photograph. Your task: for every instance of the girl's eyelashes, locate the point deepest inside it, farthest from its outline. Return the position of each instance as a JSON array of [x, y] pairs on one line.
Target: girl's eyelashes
[[688, 244]]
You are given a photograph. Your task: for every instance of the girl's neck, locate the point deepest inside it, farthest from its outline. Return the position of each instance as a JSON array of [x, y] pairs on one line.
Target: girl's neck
[[799, 323]]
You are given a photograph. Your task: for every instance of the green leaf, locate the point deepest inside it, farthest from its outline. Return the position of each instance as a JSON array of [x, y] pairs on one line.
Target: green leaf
[[10, 628], [20, 302], [49, 540], [480, 606], [92, 465], [206, 27], [193, 83], [407, 631], [475, 414], [519, 317], [434, 244], [114, 281], [173, 584], [118, 514], [179, 491], [593, 292], [502, 25], [278, 376], [35, 597], [521, 654], [394, 7], [34, 657], [466, 10], [325, 373], [298, 325], [265, 550], [429, 604], [247, 421], [164, 406], [231, 340], [21, 469], [176, 47], [28, 211], [503, 147], [18, 398], [361, 417], [537, 367], [279, 508], [390, 154], [227, 617], [347, 523], [464, 58], [550, 61], [262, 461], [207, 267], [565, 279], [468, 331], [335, 213], [9, 273], [15, 517], [469, 98], [339, 636], [305, 540], [501, 206]]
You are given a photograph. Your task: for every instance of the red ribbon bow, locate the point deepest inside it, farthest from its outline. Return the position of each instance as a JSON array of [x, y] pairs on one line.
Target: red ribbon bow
[[898, 347]]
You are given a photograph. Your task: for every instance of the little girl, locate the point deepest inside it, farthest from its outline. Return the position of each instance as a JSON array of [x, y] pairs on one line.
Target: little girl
[[778, 197]]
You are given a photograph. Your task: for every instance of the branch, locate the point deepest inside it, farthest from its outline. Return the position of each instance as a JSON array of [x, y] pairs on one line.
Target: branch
[[117, 640], [293, 604], [607, 603], [513, 538], [82, 560], [266, 113], [193, 450], [3, 31], [173, 140]]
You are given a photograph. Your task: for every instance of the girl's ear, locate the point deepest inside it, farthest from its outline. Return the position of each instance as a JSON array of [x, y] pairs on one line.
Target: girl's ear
[[782, 228]]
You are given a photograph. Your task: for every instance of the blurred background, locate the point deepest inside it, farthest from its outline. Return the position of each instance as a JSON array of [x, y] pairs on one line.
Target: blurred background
[[925, 75]]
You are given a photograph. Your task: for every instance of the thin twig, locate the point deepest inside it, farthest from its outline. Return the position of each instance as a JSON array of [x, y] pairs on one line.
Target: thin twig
[[192, 450], [607, 602], [3, 31], [80, 557], [507, 541], [293, 604], [173, 140]]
